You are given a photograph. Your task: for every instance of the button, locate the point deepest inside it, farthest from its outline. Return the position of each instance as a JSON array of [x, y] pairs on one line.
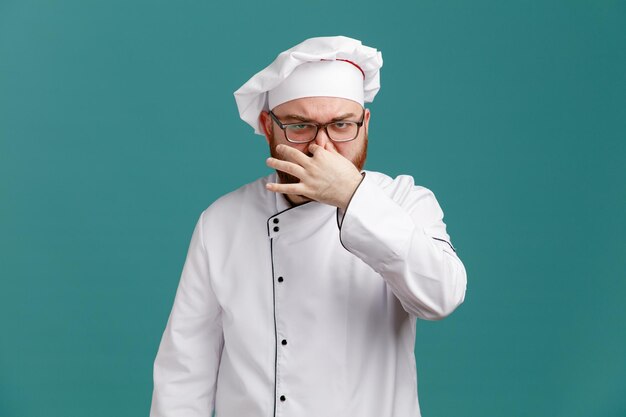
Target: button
[[282, 398], [280, 279], [284, 342], [276, 228], [276, 220]]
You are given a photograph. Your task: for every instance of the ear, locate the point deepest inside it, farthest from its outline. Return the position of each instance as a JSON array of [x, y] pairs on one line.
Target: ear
[[266, 122], [366, 120]]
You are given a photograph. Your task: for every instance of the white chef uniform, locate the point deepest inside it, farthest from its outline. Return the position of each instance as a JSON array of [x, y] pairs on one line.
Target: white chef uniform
[[302, 312]]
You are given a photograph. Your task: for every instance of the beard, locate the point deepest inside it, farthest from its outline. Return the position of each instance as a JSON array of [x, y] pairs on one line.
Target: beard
[[358, 160]]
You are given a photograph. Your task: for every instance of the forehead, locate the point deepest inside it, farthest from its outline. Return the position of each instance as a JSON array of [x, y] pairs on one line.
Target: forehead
[[319, 107]]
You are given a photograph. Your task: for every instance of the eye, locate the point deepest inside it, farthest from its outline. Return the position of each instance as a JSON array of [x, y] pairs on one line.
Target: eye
[[341, 125], [300, 130]]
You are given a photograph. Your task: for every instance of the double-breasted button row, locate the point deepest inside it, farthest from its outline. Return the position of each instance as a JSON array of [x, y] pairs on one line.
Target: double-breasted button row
[[280, 279]]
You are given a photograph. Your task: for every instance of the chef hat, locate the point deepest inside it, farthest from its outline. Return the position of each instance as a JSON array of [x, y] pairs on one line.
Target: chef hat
[[334, 66]]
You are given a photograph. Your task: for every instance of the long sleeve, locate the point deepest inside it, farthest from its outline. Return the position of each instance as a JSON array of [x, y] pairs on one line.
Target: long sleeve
[[398, 230], [187, 362]]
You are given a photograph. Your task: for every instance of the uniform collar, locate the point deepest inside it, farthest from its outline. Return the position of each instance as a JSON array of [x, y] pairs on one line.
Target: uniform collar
[[303, 218]]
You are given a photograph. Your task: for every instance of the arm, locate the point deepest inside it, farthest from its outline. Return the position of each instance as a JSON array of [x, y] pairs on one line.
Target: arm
[[187, 362], [399, 232]]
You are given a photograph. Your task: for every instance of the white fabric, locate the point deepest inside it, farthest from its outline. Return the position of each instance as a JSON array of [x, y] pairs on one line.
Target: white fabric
[[319, 79], [346, 304], [251, 97]]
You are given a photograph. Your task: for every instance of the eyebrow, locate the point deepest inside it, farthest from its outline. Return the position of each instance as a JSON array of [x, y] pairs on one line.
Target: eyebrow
[[306, 119]]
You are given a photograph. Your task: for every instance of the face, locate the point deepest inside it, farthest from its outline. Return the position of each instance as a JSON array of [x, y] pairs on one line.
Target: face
[[317, 110]]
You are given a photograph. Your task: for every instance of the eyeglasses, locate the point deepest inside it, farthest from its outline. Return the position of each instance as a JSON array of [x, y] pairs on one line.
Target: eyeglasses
[[303, 132]]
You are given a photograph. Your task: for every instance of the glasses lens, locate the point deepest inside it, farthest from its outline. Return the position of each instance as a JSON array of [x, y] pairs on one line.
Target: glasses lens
[[303, 132], [342, 131]]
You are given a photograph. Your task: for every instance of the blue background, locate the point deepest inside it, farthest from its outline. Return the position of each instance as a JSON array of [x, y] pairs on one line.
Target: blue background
[[118, 127]]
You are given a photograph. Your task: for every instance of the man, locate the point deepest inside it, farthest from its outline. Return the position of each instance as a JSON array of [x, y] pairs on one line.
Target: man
[[300, 292]]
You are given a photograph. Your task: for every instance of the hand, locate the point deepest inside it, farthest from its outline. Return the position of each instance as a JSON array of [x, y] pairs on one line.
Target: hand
[[327, 176]]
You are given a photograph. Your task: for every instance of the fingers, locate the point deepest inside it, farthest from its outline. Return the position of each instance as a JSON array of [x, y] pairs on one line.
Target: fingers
[[314, 147], [330, 146], [297, 189], [292, 155], [286, 166]]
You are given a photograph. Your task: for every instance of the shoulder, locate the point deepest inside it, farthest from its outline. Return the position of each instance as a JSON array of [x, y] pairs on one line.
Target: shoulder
[[401, 189], [420, 202]]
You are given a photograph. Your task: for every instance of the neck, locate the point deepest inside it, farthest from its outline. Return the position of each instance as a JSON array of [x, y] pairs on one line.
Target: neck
[[296, 200]]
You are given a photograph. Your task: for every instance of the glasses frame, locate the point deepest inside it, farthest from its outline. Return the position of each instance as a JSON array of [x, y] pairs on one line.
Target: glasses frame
[[284, 127]]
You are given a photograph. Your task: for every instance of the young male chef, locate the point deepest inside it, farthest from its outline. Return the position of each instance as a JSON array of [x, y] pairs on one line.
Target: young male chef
[[300, 291]]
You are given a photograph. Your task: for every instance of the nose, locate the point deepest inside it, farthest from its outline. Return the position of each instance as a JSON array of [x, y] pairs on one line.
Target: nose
[[322, 138]]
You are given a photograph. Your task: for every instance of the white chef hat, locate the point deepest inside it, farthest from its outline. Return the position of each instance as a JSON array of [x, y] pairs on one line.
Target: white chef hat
[[333, 66]]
